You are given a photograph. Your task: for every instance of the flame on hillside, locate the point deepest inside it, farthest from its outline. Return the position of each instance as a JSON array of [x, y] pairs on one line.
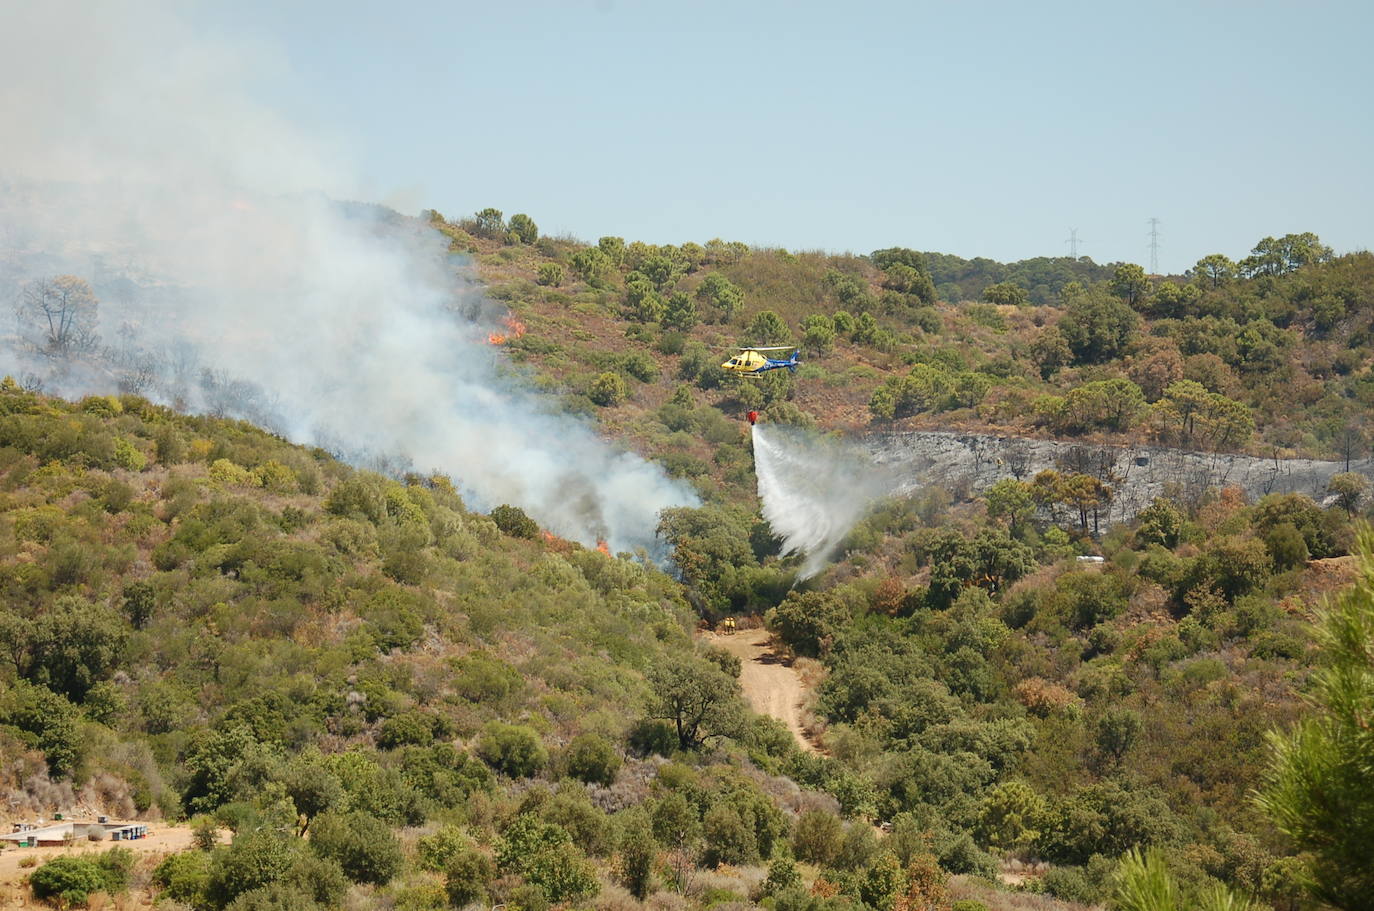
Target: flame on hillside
[[602, 546], [514, 329], [557, 545]]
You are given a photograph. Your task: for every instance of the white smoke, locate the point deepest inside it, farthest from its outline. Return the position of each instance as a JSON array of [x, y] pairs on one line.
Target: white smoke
[[814, 489], [230, 282]]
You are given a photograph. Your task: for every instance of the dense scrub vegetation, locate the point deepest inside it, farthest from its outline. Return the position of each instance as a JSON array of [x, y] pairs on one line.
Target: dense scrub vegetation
[[981, 685], [204, 620], [1268, 354], [394, 701]]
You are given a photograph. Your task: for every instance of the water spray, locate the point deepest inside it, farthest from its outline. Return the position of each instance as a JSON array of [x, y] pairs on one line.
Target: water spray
[[813, 489]]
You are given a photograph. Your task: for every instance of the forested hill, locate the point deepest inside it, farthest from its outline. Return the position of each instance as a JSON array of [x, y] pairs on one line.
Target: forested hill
[[387, 696], [979, 681], [393, 701], [201, 620], [1267, 353]]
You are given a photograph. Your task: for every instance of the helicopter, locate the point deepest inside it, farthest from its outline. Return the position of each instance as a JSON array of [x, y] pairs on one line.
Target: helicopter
[[751, 362]]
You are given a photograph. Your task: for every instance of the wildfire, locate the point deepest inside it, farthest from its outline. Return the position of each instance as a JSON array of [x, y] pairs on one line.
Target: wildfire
[[514, 329], [603, 547], [556, 544]]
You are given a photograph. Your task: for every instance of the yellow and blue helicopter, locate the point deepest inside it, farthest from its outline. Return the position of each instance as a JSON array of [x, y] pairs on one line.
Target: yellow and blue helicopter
[[752, 362]]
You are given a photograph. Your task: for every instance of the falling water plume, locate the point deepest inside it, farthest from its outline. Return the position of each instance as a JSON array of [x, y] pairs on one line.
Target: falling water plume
[[814, 489]]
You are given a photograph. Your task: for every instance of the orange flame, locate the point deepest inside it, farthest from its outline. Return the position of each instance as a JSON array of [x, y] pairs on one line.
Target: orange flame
[[603, 547], [515, 329], [556, 544]]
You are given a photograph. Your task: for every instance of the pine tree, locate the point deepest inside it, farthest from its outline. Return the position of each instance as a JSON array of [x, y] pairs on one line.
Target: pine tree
[[1319, 787]]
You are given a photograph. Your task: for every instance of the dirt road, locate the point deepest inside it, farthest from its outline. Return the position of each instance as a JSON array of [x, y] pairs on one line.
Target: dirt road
[[771, 687]]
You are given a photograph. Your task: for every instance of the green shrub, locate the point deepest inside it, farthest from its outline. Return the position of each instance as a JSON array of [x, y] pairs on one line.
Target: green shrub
[[183, 877], [593, 759], [782, 875], [544, 854], [525, 837], [223, 471], [513, 521], [608, 390], [512, 749], [358, 497], [435, 852], [317, 878], [640, 366], [680, 312], [168, 446], [408, 728], [563, 875], [1069, 884], [1287, 547], [1271, 646], [274, 897], [50, 718], [362, 845], [730, 839], [523, 228], [528, 897], [467, 875], [116, 864], [549, 275], [818, 837], [421, 895], [129, 456], [482, 677], [275, 476], [105, 406], [67, 880], [881, 883], [652, 736], [254, 859], [116, 496], [638, 848], [1104, 818], [204, 832]]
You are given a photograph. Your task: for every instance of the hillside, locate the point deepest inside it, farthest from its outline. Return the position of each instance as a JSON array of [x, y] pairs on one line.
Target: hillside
[[393, 699], [1268, 355], [960, 613], [203, 619]]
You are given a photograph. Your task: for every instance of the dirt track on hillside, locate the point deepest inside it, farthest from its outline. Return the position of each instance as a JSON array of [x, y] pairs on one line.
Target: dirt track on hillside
[[771, 687]]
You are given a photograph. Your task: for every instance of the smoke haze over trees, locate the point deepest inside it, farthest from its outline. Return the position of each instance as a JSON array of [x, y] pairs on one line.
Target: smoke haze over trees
[[161, 234]]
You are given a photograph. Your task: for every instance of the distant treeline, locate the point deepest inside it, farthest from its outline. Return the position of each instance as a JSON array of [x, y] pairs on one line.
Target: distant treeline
[[958, 279]]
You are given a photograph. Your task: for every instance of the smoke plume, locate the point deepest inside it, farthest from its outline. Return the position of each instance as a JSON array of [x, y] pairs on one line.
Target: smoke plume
[[814, 489], [230, 280]]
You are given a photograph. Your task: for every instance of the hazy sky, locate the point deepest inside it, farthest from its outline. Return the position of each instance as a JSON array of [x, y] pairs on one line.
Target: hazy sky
[[973, 128]]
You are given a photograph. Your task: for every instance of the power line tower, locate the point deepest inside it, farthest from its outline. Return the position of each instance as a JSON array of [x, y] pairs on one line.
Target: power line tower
[[1154, 246], [1073, 242]]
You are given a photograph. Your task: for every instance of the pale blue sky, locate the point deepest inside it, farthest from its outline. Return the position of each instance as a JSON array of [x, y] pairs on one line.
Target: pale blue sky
[[977, 128]]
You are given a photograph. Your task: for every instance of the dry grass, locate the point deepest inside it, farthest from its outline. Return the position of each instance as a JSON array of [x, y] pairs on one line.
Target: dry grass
[[968, 887], [740, 880]]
